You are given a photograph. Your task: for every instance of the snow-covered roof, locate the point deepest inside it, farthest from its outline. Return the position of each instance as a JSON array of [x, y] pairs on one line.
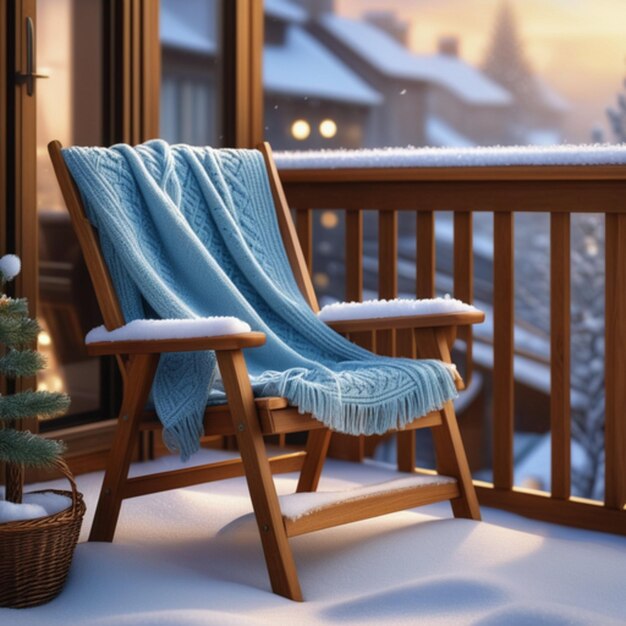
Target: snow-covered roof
[[543, 137], [302, 66], [454, 157], [180, 30], [391, 58], [285, 11], [440, 134], [551, 98]]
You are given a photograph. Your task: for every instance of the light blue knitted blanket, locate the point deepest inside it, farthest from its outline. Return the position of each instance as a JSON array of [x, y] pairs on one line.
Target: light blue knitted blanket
[[191, 232]]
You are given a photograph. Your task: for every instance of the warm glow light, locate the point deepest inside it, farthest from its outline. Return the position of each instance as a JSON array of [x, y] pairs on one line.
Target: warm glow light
[[42, 387], [56, 383], [328, 129], [321, 279], [329, 219], [300, 130], [44, 339]]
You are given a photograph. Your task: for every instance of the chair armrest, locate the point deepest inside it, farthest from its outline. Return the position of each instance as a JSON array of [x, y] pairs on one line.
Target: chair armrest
[[463, 318], [173, 335], [186, 344], [347, 317]]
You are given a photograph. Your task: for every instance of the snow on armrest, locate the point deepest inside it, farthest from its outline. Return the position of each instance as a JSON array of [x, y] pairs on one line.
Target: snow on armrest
[[375, 309], [145, 330]]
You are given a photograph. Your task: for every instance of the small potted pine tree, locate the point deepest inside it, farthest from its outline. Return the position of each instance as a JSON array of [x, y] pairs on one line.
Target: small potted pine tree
[[38, 531]]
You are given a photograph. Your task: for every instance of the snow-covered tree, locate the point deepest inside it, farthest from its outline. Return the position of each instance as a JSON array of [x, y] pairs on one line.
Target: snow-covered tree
[[617, 118], [505, 61], [19, 448]]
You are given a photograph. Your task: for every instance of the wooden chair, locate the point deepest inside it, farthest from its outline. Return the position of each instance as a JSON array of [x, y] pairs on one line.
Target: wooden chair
[[249, 418]]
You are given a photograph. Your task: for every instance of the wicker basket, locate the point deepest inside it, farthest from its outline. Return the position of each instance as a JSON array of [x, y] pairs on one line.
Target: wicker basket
[[35, 555]]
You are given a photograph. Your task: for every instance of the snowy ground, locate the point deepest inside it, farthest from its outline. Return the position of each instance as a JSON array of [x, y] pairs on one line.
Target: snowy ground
[[192, 557]]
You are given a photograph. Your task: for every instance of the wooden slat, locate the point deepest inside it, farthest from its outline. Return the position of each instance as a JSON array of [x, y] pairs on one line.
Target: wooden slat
[[545, 196], [158, 346], [288, 420], [464, 279], [232, 468], [387, 273], [435, 320], [425, 270], [503, 314], [560, 303], [366, 339], [316, 450], [353, 511], [354, 256], [573, 512], [304, 228], [448, 175], [288, 230], [615, 362]]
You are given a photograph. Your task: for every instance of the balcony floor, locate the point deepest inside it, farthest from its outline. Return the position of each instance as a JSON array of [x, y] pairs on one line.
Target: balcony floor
[[192, 558]]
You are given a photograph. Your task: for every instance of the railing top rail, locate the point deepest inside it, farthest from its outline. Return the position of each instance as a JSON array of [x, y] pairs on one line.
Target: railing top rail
[[500, 173], [483, 163]]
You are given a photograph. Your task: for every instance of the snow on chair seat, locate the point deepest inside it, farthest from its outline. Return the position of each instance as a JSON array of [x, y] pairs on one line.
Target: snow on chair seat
[[309, 511]]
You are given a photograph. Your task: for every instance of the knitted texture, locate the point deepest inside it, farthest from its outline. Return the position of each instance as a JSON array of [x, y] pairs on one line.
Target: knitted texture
[[192, 232]]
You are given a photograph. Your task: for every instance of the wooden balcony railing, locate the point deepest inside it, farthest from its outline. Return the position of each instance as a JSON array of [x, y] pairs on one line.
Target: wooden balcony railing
[[503, 190]]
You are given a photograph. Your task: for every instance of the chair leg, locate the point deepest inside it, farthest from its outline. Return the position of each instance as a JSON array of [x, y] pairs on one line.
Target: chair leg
[[406, 450], [140, 373], [278, 556], [449, 449], [452, 461], [316, 448]]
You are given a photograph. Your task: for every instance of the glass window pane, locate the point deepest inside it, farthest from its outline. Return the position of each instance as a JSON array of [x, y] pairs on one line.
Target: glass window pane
[[69, 108], [190, 61]]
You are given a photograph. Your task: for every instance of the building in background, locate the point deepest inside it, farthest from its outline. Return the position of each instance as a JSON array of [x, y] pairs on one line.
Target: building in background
[[331, 81]]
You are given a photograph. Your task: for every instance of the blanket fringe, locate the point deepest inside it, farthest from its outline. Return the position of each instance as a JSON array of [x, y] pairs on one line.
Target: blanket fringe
[[370, 419]]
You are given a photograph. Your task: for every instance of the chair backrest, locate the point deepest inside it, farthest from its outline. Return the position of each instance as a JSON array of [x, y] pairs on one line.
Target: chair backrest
[[100, 277]]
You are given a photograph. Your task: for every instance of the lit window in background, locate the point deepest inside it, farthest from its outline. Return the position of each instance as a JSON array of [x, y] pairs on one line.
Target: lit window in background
[[328, 128], [321, 279], [300, 130], [329, 219]]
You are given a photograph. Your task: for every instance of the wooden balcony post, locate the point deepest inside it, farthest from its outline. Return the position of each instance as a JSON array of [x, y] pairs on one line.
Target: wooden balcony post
[[464, 278], [503, 376], [615, 362], [560, 304]]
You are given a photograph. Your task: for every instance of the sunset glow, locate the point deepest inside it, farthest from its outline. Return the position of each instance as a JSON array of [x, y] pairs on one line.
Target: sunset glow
[[577, 46]]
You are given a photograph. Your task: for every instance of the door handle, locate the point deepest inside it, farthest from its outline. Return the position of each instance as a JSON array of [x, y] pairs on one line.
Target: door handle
[[30, 74]]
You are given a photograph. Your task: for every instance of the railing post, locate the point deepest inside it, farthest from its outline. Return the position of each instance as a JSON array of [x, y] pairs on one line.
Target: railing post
[[503, 325], [387, 272], [560, 304], [354, 256], [304, 228], [615, 362], [464, 278], [425, 258]]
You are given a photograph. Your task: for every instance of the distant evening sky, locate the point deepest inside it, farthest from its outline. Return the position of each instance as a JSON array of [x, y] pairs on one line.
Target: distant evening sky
[[578, 46]]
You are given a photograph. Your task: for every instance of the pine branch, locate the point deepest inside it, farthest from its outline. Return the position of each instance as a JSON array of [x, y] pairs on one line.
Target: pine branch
[[13, 306], [40, 404], [21, 363], [24, 448], [18, 331]]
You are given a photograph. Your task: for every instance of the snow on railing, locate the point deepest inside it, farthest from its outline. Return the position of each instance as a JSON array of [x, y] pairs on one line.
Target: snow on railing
[[386, 158]]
